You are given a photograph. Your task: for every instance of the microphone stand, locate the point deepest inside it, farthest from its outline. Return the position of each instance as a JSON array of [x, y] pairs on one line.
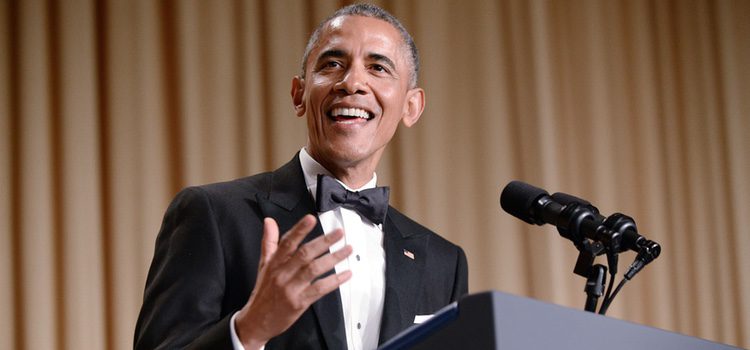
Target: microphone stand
[[591, 233], [596, 275], [575, 215], [595, 286]]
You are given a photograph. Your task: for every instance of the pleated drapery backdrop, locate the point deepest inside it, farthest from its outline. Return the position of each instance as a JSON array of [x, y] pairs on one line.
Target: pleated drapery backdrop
[[108, 108]]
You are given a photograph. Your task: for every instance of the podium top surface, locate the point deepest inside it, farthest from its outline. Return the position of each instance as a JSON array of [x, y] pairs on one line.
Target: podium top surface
[[495, 320]]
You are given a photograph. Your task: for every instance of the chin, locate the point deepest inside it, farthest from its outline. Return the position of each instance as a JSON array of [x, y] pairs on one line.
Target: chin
[[343, 155]]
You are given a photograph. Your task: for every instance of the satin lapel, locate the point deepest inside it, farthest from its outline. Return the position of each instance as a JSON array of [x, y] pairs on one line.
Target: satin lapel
[[287, 202], [404, 262]]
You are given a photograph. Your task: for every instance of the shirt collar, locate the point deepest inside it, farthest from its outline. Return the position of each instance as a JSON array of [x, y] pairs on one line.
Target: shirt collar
[[311, 169]]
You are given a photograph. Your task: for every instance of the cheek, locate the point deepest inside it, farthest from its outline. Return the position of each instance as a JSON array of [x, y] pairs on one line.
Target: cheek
[[317, 90], [394, 106], [391, 94]]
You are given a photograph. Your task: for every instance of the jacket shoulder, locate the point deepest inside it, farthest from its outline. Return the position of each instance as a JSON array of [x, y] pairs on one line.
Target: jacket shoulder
[[244, 186], [413, 228]]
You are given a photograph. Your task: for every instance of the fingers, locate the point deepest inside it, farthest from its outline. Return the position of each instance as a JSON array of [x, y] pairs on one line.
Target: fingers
[[270, 240], [288, 248], [288, 281], [313, 249], [325, 285], [311, 270], [301, 264], [291, 240]]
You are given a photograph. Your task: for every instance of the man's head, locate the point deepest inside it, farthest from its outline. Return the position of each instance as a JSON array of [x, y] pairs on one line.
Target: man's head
[[358, 84], [372, 11]]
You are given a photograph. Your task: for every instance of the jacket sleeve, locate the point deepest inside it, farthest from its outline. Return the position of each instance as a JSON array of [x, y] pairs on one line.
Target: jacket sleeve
[[186, 281], [461, 284]]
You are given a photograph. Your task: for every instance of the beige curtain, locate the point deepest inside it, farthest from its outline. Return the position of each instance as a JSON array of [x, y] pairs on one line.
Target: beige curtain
[[107, 108]]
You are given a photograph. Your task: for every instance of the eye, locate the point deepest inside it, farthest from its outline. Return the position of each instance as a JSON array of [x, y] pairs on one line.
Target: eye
[[379, 68], [331, 64]]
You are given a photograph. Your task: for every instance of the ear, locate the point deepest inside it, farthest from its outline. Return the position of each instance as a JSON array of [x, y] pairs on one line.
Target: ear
[[298, 93], [413, 107]]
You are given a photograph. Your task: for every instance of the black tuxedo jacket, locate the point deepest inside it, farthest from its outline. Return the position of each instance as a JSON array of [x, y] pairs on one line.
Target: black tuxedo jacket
[[206, 261]]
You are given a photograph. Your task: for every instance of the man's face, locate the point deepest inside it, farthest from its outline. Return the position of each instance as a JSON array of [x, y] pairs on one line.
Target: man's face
[[355, 92]]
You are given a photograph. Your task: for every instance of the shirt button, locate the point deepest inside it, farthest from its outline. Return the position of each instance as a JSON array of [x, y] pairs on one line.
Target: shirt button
[[359, 325], [358, 257]]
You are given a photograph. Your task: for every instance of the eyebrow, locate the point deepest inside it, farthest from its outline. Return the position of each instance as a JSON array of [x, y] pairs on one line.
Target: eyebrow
[[331, 53], [337, 53], [383, 59]]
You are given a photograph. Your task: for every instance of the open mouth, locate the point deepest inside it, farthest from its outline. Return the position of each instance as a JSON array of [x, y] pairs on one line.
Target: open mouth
[[350, 114]]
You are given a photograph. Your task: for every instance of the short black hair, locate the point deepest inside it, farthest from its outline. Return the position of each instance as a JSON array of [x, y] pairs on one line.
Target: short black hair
[[372, 11]]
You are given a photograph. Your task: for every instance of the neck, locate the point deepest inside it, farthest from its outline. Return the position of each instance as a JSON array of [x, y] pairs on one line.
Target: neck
[[353, 179], [353, 174]]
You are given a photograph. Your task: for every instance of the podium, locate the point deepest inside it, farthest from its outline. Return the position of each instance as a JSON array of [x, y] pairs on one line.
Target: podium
[[494, 320]]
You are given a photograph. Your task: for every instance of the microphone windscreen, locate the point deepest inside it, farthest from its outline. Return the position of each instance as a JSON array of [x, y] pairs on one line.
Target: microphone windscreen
[[518, 199]]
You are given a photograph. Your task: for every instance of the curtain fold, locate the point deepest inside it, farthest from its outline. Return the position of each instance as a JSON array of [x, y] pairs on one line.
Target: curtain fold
[[108, 108]]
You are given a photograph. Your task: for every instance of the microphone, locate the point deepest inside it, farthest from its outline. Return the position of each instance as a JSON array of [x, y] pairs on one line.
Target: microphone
[[579, 221], [529, 203], [535, 206], [575, 218], [625, 225]]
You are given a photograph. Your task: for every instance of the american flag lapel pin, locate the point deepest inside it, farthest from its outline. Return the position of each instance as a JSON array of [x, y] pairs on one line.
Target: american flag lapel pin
[[409, 254]]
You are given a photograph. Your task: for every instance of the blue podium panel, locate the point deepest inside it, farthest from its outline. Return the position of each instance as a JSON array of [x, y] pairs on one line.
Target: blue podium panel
[[494, 320]]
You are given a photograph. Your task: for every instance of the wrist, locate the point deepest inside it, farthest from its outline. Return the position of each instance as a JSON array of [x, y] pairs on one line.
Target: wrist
[[247, 333]]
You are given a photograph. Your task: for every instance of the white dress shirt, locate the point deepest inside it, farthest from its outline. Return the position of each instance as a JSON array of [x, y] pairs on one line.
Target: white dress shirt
[[361, 296]]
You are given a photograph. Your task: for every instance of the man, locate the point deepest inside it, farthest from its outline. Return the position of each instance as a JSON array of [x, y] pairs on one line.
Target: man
[[349, 271]]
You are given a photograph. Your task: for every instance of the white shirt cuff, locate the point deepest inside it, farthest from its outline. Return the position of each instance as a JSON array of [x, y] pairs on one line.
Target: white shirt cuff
[[236, 343]]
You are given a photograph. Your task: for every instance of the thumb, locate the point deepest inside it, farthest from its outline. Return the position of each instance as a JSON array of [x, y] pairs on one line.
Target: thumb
[[270, 240]]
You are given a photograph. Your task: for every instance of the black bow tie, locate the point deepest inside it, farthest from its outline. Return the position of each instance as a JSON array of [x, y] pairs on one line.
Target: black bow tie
[[371, 203]]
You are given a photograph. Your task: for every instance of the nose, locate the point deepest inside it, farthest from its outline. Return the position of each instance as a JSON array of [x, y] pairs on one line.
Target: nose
[[353, 82]]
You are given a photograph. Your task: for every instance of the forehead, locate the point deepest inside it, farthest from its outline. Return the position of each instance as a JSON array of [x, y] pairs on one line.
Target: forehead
[[358, 34]]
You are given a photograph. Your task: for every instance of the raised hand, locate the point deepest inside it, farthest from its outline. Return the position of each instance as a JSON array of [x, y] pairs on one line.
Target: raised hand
[[287, 280]]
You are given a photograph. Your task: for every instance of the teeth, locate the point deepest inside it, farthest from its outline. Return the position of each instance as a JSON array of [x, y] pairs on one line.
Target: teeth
[[350, 112]]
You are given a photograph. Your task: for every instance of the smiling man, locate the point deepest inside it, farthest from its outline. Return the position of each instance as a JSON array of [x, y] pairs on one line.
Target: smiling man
[[349, 271]]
